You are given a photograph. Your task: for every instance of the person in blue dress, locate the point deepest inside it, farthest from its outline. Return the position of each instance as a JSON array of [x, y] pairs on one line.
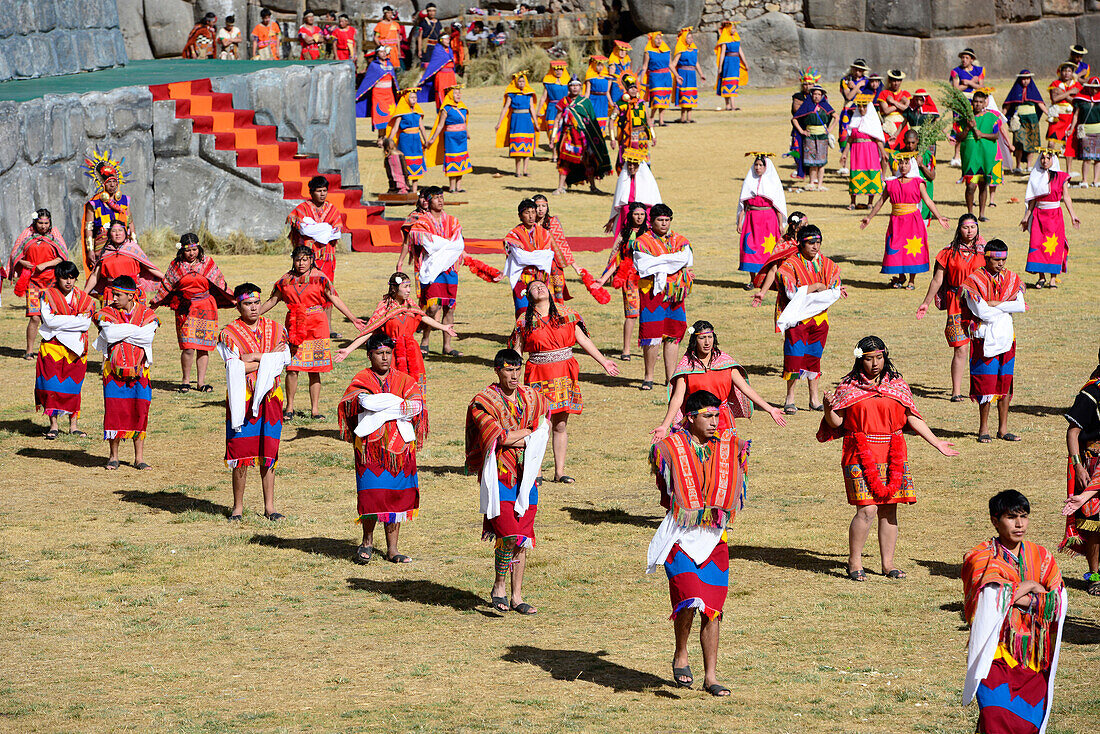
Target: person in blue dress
[[657, 77], [516, 129], [448, 145], [685, 62], [597, 87], [555, 85], [732, 69], [406, 127], [617, 65]]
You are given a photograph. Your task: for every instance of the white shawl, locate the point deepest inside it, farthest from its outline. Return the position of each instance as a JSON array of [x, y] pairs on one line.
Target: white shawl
[[533, 453], [868, 123], [698, 542], [662, 266], [996, 327], [319, 231], [769, 186], [805, 305], [271, 366], [68, 330], [379, 408], [985, 634], [139, 336], [442, 254], [1038, 183], [518, 259], [645, 189]]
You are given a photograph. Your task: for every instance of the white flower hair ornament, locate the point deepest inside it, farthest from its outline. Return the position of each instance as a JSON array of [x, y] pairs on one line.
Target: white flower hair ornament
[[858, 353], [690, 330]]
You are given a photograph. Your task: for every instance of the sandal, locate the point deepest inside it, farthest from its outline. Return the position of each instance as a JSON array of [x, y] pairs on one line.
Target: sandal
[[1008, 437], [289, 415], [624, 357], [51, 435], [897, 573], [205, 388], [717, 690], [1041, 284], [423, 350], [183, 387], [646, 385], [499, 603], [78, 433], [235, 518], [818, 408], [684, 672], [318, 417], [984, 438], [142, 466], [525, 609], [958, 398], [857, 574], [564, 479], [112, 465], [452, 353], [363, 554], [399, 558], [790, 409], [1093, 588], [274, 516]]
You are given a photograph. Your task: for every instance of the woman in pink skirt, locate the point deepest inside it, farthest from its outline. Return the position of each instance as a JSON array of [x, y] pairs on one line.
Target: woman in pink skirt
[[906, 251], [1048, 249], [760, 211]]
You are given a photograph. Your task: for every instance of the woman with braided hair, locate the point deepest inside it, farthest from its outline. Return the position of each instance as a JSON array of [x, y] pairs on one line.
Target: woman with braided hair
[[869, 409]]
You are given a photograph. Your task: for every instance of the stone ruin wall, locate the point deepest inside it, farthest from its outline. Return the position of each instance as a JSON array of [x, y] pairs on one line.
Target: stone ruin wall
[[178, 179], [51, 37]]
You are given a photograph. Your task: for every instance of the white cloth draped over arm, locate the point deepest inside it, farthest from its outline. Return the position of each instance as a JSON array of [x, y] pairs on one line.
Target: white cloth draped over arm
[[442, 254], [518, 259], [645, 189], [139, 336], [533, 453], [271, 366], [319, 231], [234, 385], [805, 305], [698, 542], [996, 328], [68, 330], [378, 409], [659, 267]]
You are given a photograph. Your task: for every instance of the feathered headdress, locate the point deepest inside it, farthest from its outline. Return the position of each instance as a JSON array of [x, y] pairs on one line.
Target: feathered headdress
[[102, 166]]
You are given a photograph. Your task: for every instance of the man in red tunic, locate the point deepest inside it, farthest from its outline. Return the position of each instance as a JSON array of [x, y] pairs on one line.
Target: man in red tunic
[[506, 432], [438, 249], [309, 37], [318, 224], [346, 43], [200, 43], [529, 253]]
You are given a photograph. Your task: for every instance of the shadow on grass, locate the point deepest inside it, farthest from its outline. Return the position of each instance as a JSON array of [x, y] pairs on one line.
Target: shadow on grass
[[497, 338], [309, 432], [951, 433], [13, 352], [940, 568], [72, 457], [762, 369], [854, 260], [341, 550], [174, 502], [421, 591], [930, 393], [591, 516], [1040, 411], [572, 665], [24, 427], [441, 470], [1081, 631], [800, 559], [874, 285], [728, 284]]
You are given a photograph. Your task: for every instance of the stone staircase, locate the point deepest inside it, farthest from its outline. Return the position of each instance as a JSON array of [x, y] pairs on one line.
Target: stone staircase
[[279, 161]]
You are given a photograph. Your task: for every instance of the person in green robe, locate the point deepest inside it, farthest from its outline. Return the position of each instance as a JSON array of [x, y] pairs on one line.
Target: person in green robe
[[979, 152], [578, 142]]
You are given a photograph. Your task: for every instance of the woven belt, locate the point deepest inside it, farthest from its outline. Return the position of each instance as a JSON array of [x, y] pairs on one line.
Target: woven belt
[[1048, 205], [880, 437], [899, 210], [458, 128], [555, 355], [754, 208], [314, 309], [815, 130]]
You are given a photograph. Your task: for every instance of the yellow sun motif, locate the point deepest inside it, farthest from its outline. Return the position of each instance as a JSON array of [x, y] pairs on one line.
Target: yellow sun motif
[[769, 244], [914, 245], [1050, 244]]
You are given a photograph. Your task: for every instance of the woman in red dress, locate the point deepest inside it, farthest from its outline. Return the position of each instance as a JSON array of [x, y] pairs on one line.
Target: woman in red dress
[[398, 317], [31, 265], [306, 291], [194, 288], [869, 409], [954, 264], [563, 256], [121, 256], [706, 367], [548, 332]]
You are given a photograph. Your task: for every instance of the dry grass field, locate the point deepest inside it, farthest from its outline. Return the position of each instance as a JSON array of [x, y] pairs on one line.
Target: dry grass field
[[130, 604]]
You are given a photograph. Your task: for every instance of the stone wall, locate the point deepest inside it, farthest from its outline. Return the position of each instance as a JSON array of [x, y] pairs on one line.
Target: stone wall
[[179, 180], [715, 11], [52, 37]]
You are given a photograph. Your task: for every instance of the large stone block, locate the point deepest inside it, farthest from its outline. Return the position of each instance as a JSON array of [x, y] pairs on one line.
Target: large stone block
[[45, 15], [901, 17], [171, 136], [846, 15], [1040, 46], [770, 44], [1014, 11], [84, 42], [267, 98], [131, 19], [967, 16], [94, 105], [121, 57], [7, 25], [70, 15], [9, 130], [167, 23], [23, 16], [668, 16], [129, 108], [297, 88], [1088, 31], [832, 51], [17, 51], [1063, 7], [32, 123], [67, 60], [63, 126]]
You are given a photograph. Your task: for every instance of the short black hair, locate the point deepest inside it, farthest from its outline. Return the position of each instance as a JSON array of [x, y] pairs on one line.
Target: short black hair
[[66, 269], [265, 13], [1006, 501], [996, 245], [318, 182], [379, 339], [979, 93], [507, 358], [809, 232], [210, 16], [303, 250], [527, 204], [387, 7], [344, 15], [429, 5], [430, 191], [245, 288], [124, 282], [660, 210], [700, 399], [230, 19]]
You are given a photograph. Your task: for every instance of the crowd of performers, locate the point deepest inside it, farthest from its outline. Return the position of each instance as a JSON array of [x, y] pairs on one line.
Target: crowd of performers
[[1015, 599]]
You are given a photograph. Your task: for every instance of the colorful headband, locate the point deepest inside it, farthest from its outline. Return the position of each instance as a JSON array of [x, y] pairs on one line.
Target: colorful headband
[[559, 62], [759, 154], [120, 289], [905, 155], [709, 407], [860, 354], [634, 154], [246, 296], [864, 98], [1049, 151], [986, 90]]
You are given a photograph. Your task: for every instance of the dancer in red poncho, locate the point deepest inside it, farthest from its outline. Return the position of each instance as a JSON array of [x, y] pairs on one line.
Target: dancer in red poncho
[[869, 409]]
